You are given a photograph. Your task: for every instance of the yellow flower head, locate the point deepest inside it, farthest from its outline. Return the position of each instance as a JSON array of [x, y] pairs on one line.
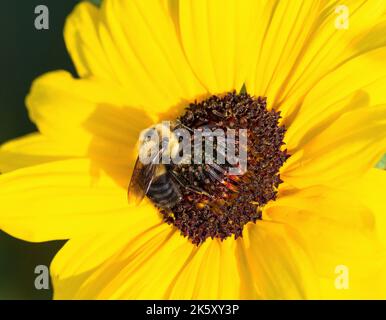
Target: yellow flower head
[[307, 220]]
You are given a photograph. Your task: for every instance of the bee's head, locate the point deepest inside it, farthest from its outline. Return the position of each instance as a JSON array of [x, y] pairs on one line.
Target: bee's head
[[160, 136]]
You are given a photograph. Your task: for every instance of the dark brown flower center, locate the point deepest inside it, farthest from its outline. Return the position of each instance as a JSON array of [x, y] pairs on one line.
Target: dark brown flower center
[[229, 202]]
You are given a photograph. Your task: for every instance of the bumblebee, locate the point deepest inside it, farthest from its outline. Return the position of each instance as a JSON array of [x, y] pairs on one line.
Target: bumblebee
[[162, 183]]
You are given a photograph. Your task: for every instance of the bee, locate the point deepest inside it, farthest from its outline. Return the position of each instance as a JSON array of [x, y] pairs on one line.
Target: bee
[[154, 179], [161, 183]]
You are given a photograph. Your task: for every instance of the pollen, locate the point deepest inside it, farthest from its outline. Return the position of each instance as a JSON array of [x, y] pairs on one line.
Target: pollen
[[216, 204]]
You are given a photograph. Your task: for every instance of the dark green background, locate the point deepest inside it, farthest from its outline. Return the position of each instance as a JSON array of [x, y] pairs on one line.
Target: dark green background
[[25, 54]]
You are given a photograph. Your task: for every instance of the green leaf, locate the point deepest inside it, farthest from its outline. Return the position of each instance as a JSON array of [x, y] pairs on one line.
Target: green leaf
[[382, 164], [96, 2]]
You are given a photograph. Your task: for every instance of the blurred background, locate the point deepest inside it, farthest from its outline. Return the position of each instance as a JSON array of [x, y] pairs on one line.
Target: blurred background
[[25, 54]]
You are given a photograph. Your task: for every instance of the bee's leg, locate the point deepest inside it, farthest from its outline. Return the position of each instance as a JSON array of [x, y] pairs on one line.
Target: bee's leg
[[184, 126], [218, 168], [219, 114], [213, 174], [198, 191], [186, 186]]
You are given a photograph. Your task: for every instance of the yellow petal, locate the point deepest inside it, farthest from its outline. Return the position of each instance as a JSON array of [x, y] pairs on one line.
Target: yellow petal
[[94, 249], [343, 152], [359, 83], [212, 272], [139, 47], [370, 190], [278, 261], [327, 203], [30, 150], [219, 39], [91, 117], [327, 48], [63, 199], [83, 44], [142, 269], [338, 230], [286, 30], [365, 280]]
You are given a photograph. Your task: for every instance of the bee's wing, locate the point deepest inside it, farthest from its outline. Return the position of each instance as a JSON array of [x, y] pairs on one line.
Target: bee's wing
[[141, 179]]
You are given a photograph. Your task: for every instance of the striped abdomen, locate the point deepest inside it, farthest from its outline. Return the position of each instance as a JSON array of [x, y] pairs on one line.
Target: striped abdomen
[[164, 192]]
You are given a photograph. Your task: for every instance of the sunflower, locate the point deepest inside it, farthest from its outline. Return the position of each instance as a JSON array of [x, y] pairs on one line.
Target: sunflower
[[315, 97]]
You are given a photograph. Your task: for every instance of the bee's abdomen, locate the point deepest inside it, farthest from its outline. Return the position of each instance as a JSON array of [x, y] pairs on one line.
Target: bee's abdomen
[[163, 192]]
